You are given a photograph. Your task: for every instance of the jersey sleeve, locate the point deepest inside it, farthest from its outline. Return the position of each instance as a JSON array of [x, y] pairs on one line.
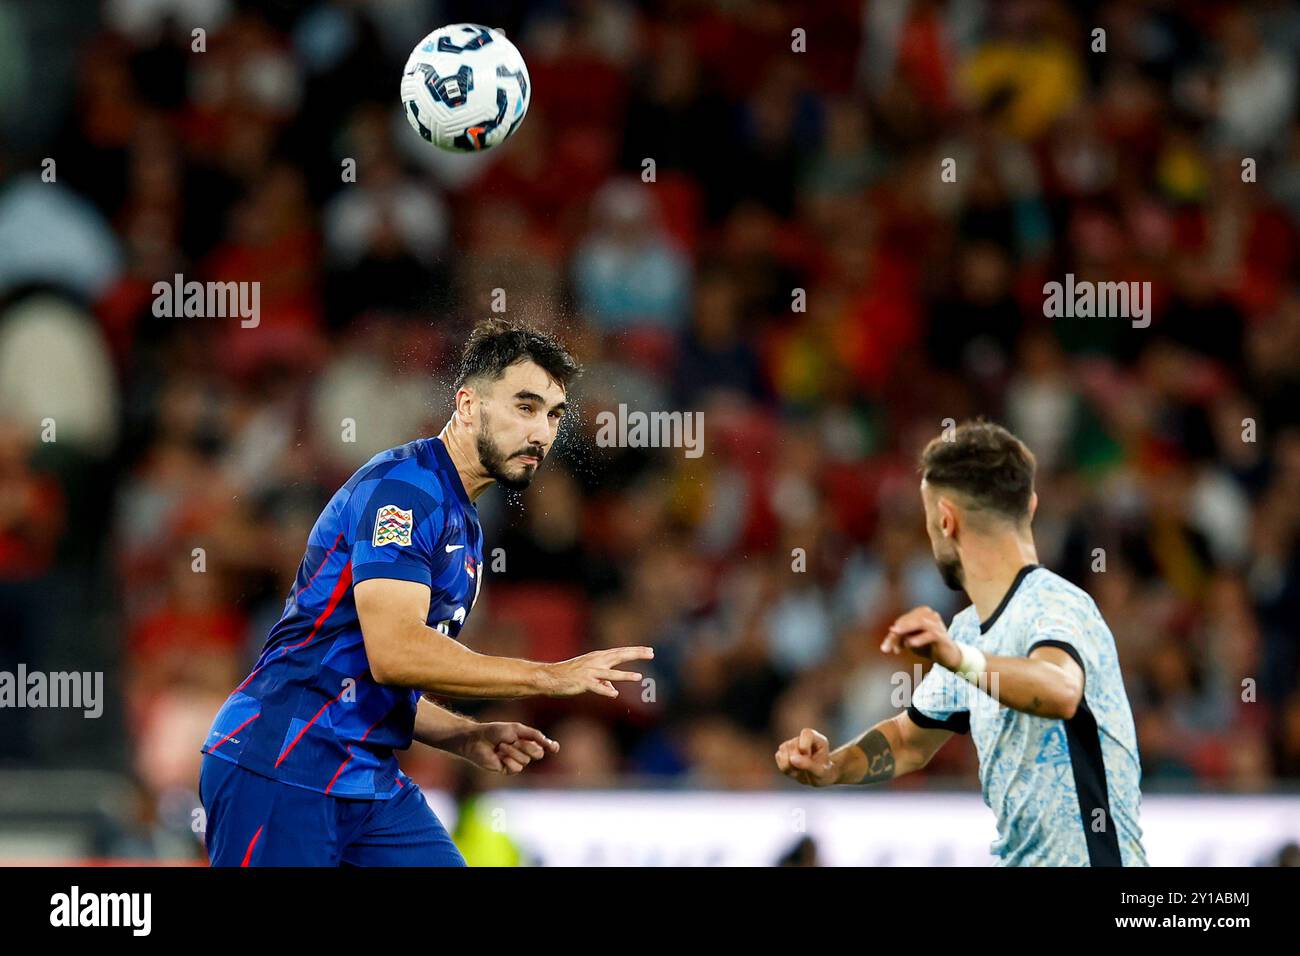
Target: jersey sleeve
[[1061, 622], [397, 529], [941, 701]]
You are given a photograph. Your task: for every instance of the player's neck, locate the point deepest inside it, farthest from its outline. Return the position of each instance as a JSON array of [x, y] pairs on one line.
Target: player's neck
[[464, 455], [987, 575]]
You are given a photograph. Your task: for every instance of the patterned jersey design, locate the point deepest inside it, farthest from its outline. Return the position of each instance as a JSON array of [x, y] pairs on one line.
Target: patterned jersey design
[[1065, 793], [310, 714]]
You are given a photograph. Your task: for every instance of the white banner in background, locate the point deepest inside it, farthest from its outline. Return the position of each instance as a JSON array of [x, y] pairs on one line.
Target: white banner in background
[[668, 828]]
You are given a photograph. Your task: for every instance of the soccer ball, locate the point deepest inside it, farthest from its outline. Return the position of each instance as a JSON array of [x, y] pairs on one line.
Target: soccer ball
[[465, 88]]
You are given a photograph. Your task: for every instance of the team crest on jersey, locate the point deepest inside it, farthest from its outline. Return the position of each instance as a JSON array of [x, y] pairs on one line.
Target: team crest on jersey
[[393, 526], [470, 565]]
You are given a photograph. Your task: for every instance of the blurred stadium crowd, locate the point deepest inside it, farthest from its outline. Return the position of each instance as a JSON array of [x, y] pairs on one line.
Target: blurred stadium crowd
[[795, 268]]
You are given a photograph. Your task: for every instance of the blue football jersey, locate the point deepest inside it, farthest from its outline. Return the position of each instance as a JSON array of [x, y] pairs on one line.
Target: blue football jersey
[[310, 713]]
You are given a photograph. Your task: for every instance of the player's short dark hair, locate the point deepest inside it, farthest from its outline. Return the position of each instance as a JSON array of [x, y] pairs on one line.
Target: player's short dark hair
[[495, 344], [988, 466]]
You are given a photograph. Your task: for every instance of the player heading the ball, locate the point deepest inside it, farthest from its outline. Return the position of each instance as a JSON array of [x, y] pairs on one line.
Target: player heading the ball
[[299, 767]]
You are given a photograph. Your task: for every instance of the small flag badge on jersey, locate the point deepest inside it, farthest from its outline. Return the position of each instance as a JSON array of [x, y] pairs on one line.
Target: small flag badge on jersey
[[392, 526], [470, 565]]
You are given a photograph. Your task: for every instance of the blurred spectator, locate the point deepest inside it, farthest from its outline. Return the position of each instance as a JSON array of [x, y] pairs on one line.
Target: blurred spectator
[[626, 272]]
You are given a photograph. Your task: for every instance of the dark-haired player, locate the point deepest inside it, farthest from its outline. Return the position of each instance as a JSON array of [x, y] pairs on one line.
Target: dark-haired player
[[1029, 670], [299, 767]]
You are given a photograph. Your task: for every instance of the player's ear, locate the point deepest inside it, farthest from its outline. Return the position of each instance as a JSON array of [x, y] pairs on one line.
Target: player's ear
[[465, 406], [948, 518]]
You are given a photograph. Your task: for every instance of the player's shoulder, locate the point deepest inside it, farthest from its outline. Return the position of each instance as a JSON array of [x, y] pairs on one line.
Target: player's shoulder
[[411, 463], [1044, 589], [403, 483]]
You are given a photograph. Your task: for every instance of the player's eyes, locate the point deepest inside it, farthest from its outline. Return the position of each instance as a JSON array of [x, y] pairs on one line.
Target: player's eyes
[[526, 409]]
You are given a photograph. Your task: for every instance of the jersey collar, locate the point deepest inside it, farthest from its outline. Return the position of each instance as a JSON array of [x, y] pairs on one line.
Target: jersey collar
[[1006, 598]]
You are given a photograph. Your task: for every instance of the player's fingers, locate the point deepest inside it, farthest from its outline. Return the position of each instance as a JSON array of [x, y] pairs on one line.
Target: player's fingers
[[617, 675], [905, 624], [912, 620], [511, 752], [806, 742], [513, 748], [603, 687], [620, 655], [921, 643], [524, 732], [531, 748], [890, 644], [801, 761], [510, 765], [782, 761]]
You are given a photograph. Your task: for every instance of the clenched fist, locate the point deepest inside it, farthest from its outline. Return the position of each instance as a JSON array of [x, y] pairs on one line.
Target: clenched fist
[[807, 758]]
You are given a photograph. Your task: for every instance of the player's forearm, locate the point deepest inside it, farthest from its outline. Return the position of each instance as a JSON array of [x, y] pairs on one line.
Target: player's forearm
[[441, 728], [429, 660], [1032, 686], [877, 756]]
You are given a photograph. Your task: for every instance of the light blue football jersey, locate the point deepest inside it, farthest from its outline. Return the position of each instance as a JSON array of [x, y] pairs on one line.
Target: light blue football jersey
[[1065, 792]]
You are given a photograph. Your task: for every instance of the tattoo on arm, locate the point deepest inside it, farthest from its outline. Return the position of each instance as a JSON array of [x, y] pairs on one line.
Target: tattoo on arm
[[880, 757]]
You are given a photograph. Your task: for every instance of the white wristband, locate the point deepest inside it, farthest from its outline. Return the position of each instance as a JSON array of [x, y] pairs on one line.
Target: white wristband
[[973, 663]]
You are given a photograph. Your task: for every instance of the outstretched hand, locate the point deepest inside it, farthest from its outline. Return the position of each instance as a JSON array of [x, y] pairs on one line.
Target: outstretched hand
[[596, 672]]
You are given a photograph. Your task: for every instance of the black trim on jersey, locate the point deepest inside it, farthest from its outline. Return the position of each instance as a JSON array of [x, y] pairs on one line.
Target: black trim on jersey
[[958, 721], [1089, 771], [1090, 785], [1065, 646], [1006, 598]]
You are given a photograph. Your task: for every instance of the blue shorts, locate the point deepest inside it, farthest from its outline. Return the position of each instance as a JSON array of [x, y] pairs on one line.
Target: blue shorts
[[253, 820]]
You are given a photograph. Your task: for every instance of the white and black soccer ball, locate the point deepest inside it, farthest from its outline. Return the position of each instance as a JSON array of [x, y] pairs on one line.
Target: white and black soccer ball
[[465, 88]]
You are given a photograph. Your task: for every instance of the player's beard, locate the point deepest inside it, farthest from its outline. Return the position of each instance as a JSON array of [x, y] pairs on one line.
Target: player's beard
[[495, 461], [951, 571]]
